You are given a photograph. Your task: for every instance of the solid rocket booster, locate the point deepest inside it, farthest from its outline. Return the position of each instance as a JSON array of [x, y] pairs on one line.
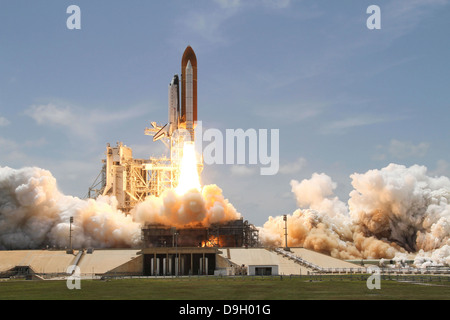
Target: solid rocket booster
[[174, 104], [188, 111]]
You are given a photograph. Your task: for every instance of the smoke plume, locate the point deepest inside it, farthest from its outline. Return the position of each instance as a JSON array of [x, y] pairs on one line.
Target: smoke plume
[[391, 212], [191, 209], [35, 214]]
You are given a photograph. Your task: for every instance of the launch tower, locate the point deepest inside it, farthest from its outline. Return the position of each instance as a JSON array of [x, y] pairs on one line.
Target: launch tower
[[132, 180]]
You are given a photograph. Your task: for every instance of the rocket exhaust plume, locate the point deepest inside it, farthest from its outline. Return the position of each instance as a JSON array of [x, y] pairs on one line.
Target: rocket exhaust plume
[[189, 177], [391, 212], [191, 209], [188, 205]]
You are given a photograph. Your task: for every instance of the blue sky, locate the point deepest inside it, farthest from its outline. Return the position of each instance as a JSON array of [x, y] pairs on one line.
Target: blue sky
[[345, 98]]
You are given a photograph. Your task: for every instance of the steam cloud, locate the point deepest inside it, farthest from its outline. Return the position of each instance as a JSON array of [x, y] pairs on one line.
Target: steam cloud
[[33, 213], [391, 212]]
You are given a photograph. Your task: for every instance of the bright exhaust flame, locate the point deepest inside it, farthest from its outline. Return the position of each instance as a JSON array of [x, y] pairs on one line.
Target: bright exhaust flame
[[212, 242], [189, 178]]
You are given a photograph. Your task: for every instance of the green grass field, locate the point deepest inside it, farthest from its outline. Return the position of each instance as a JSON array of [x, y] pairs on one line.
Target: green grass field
[[222, 289]]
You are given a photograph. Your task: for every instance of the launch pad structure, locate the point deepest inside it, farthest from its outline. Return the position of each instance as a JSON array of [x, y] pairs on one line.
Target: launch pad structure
[[235, 233], [132, 180]]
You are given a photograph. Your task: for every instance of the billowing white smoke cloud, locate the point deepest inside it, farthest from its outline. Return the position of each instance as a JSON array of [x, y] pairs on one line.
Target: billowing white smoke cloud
[[403, 205], [34, 214], [391, 212], [318, 194]]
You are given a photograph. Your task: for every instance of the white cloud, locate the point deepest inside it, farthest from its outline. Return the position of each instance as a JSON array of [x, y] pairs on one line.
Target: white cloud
[[402, 17], [401, 150], [229, 3], [340, 126], [36, 143], [4, 122], [293, 167], [226, 4], [208, 23], [51, 114], [7, 144], [280, 4], [442, 168], [76, 120], [379, 155], [13, 153], [290, 113], [406, 149], [76, 123]]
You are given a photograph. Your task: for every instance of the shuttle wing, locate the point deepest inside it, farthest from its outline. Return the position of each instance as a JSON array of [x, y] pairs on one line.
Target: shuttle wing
[[163, 132]]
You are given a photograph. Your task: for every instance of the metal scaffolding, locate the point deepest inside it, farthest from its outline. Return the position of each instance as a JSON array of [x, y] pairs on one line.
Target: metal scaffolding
[[132, 180], [235, 233]]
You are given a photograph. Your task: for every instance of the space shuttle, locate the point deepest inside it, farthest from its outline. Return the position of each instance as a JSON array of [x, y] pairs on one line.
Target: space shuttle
[[182, 112]]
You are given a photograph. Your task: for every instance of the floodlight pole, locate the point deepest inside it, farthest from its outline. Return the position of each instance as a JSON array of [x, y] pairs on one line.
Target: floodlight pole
[[70, 233], [176, 255], [174, 230], [285, 233]]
